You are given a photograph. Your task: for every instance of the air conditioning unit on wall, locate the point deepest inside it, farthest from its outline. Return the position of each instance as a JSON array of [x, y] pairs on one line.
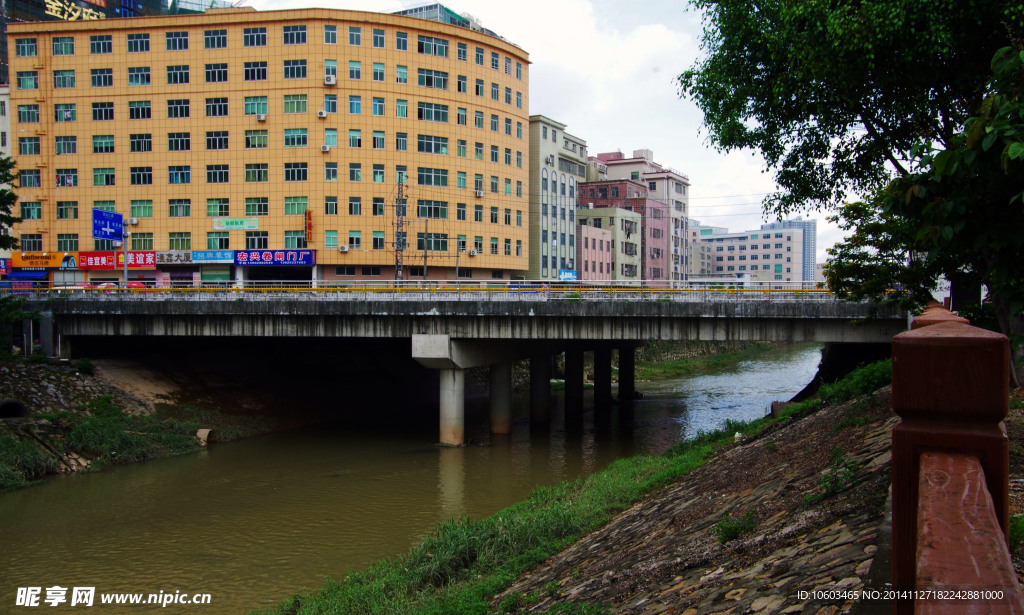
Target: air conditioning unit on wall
[[343, 248], [330, 80], [473, 252]]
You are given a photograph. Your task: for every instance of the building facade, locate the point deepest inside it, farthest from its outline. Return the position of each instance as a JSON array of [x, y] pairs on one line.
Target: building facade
[[594, 254], [624, 226], [652, 238], [810, 249], [558, 163], [766, 256], [308, 145], [665, 185]]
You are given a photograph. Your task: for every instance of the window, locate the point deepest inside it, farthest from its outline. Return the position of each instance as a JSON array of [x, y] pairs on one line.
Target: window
[[140, 143], [67, 210], [378, 206], [494, 184], [179, 142], [494, 215], [216, 73], [67, 242], [355, 105], [31, 211], [331, 205], [401, 74], [102, 144], [401, 141], [355, 240], [432, 145], [179, 241], [355, 172], [178, 108], [29, 178], [64, 113], [295, 137], [478, 119], [355, 206], [294, 239], [401, 108], [179, 208], [103, 177], [508, 126], [494, 60], [216, 173], [255, 105], [177, 74], [218, 208], [331, 103], [256, 240], [101, 77], [295, 205], [519, 218], [432, 242], [432, 112], [295, 35], [494, 91], [519, 100], [294, 69], [138, 43], [258, 206], [331, 137], [378, 139], [216, 107], [401, 174], [215, 39], [176, 41], [142, 209], [519, 160], [25, 48], [29, 146], [378, 39], [28, 80], [494, 153], [378, 106], [63, 46], [295, 172], [331, 171], [255, 71], [330, 35], [378, 71], [519, 70], [63, 78], [378, 174], [295, 103], [67, 177], [494, 245], [256, 172], [355, 35], [254, 37], [432, 177], [401, 41], [138, 75], [432, 209], [28, 113], [217, 240], [478, 184], [179, 175], [139, 110], [494, 123], [432, 78]]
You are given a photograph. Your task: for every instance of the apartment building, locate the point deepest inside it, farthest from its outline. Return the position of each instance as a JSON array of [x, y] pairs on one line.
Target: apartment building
[[665, 185], [810, 247], [594, 253], [654, 232], [558, 163], [624, 226], [308, 145], [766, 256]]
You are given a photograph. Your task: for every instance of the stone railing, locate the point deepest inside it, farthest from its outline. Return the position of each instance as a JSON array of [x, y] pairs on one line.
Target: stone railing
[[950, 465]]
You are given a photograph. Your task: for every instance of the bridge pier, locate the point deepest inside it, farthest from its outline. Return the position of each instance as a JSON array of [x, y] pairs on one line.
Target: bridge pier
[[501, 398], [627, 373], [453, 401], [602, 378], [573, 387], [540, 391]]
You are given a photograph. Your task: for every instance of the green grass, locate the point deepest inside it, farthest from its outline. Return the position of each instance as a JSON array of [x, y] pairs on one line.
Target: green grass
[[835, 478], [22, 461], [732, 526], [656, 368], [1016, 534]]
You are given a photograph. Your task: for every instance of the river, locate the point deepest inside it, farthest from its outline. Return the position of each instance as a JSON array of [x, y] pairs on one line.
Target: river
[[254, 522]]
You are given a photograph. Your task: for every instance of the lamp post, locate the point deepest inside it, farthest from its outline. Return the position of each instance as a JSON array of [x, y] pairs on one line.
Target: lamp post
[[124, 242]]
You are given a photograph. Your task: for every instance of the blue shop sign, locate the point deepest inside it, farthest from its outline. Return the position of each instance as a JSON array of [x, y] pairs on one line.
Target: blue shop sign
[[277, 258], [213, 256], [567, 275]]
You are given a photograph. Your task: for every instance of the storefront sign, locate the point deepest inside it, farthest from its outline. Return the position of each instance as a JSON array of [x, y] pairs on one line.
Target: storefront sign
[[5, 266], [98, 261], [62, 9], [213, 256], [174, 258], [275, 257], [236, 224], [45, 260], [567, 275]]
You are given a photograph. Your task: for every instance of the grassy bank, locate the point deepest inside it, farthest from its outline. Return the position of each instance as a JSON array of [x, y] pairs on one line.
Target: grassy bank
[[463, 564], [667, 360]]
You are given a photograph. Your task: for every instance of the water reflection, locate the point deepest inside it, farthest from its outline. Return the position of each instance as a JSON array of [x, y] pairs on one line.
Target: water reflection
[[253, 522]]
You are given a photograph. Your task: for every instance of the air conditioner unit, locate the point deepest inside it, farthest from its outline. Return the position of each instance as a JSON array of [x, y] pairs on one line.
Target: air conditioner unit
[[321, 113], [343, 248], [261, 117], [325, 148], [118, 244], [133, 221], [473, 253], [479, 194], [330, 80], [550, 160]]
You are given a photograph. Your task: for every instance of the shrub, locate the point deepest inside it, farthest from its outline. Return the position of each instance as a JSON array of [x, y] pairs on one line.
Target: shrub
[[85, 366], [836, 477], [1016, 534], [731, 527]]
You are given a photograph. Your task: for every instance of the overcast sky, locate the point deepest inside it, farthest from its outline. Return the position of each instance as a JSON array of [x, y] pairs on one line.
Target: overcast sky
[[606, 69]]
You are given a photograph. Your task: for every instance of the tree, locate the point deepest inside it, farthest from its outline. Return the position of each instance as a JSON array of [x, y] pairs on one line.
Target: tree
[[835, 94], [7, 202], [961, 211]]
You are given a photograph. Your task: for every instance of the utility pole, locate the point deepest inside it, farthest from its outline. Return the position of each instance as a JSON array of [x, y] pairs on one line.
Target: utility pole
[[399, 230], [426, 245]]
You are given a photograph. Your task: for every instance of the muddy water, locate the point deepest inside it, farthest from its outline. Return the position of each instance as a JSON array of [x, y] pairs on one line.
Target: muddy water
[[253, 522]]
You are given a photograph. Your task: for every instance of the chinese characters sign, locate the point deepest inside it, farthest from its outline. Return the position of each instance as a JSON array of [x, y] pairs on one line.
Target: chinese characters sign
[[174, 258], [213, 256], [92, 261], [275, 257], [62, 9], [44, 260], [236, 224]]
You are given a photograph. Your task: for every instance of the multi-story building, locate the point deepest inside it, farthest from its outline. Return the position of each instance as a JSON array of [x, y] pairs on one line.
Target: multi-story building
[[810, 233], [5, 120], [699, 262], [594, 255], [558, 163], [624, 226], [766, 256], [308, 144], [665, 185], [653, 235]]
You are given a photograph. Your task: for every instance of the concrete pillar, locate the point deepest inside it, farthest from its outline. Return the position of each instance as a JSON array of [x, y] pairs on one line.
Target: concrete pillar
[[627, 374], [501, 398], [573, 388], [452, 398], [540, 391], [47, 337], [602, 378]]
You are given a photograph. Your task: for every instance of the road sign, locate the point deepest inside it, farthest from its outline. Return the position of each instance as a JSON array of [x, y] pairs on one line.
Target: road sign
[[107, 225]]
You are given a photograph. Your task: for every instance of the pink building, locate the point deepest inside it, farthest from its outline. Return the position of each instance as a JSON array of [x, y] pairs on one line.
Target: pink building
[[594, 254]]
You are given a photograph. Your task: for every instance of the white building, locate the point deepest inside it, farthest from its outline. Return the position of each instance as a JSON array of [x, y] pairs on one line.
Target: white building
[[810, 231], [765, 255]]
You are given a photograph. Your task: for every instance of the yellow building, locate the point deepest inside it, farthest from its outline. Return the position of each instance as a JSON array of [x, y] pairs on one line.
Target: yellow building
[[215, 134]]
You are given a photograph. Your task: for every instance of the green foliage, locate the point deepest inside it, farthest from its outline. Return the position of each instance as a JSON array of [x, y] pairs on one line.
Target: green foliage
[[861, 381], [1016, 534], [21, 461], [116, 437], [7, 201], [732, 526], [85, 366], [835, 478], [36, 358]]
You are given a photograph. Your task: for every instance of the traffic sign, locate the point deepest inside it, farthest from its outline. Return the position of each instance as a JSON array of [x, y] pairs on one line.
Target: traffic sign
[[107, 225]]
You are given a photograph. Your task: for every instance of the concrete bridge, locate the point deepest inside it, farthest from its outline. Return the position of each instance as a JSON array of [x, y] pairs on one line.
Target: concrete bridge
[[453, 329]]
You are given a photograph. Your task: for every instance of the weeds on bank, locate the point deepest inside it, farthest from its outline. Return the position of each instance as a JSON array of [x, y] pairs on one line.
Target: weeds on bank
[[837, 476], [732, 526], [1016, 534]]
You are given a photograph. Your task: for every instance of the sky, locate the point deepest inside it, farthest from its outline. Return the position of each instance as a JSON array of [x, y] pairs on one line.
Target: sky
[[607, 69]]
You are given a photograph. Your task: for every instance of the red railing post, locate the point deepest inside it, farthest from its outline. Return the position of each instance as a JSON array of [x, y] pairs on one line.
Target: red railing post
[[950, 385]]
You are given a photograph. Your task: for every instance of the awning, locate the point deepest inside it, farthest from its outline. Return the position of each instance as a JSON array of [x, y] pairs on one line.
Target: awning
[[28, 275]]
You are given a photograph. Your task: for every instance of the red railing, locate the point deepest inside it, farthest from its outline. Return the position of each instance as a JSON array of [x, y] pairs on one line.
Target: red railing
[[950, 465]]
